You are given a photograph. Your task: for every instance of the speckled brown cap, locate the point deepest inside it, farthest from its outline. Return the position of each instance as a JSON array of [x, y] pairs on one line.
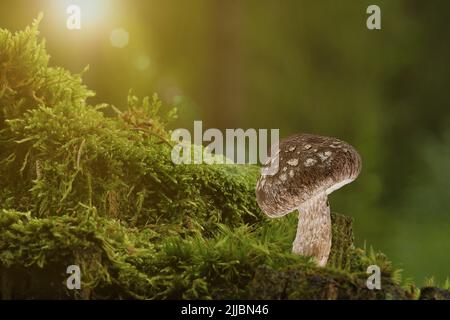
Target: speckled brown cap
[[308, 165]]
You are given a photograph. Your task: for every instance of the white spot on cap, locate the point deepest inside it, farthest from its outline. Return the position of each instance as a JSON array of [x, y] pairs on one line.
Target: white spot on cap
[[284, 169], [293, 162], [307, 146], [291, 173], [324, 155], [335, 145], [292, 148], [310, 162], [283, 177]]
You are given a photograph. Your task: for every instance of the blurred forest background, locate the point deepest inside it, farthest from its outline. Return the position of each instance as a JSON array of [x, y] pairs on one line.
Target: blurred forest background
[[300, 66]]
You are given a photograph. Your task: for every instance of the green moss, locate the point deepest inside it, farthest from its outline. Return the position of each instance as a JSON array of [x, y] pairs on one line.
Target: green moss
[[119, 262], [80, 187], [27, 81]]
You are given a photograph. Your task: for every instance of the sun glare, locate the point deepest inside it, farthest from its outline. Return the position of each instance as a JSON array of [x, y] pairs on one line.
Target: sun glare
[[119, 38]]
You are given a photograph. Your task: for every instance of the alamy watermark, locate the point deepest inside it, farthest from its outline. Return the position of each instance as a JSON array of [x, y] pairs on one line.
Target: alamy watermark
[[238, 146], [374, 20], [74, 17], [73, 282], [73, 21], [374, 280]]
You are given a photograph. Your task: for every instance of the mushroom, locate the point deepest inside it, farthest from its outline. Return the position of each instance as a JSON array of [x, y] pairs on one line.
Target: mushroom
[[310, 167]]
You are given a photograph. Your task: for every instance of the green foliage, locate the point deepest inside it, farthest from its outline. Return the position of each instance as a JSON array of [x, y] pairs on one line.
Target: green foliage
[[431, 282], [63, 153], [26, 80]]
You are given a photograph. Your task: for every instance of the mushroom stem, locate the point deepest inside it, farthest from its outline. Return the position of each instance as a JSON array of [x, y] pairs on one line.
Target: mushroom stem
[[313, 237]]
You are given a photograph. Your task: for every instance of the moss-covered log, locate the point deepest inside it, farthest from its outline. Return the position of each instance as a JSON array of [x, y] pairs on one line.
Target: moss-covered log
[[120, 262], [312, 284], [341, 241], [433, 293]]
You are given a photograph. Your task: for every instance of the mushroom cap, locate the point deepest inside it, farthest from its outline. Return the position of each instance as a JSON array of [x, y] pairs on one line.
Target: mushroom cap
[[308, 165]]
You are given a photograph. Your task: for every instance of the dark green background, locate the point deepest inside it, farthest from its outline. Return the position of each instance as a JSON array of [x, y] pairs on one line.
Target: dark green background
[[300, 66]]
